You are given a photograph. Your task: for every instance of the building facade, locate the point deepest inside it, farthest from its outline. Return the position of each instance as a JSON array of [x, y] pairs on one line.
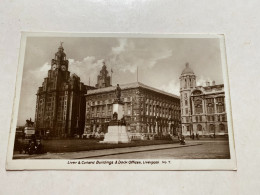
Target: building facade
[[202, 108], [146, 110], [60, 105]]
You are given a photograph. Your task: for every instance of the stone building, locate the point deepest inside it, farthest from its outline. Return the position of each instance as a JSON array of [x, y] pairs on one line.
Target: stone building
[[202, 108], [147, 110], [60, 105]]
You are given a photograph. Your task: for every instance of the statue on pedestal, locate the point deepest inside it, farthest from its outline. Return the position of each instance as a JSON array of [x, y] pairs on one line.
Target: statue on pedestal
[[115, 116], [117, 130], [29, 123], [118, 93]]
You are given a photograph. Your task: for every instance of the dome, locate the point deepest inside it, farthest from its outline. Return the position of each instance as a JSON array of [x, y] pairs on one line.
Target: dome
[[187, 70]]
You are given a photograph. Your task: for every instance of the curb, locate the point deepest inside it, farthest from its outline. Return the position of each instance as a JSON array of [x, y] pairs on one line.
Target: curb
[[135, 151], [112, 153]]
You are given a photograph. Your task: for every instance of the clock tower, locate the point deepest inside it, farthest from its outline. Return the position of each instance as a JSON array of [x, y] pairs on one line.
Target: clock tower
[[60, 110]]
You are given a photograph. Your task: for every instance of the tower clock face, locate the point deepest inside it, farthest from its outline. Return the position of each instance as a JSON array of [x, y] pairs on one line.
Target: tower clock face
[[54, 67], [63, 68]]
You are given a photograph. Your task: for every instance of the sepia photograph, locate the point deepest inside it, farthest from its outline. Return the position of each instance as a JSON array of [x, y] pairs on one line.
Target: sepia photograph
[[121, 102]]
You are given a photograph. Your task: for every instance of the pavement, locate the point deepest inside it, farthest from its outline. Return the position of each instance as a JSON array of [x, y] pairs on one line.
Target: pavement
[[105, 152], [206, 150]]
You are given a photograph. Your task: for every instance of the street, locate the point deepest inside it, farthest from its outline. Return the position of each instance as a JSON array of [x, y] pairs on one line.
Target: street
[[194, 149], [207, 150]]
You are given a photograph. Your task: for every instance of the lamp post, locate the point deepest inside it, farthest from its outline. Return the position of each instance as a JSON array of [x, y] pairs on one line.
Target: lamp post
[[191, 126], [156, 125]]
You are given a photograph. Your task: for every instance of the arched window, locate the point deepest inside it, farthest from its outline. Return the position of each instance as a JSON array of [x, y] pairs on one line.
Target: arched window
[[199, 127], [198, 106], [185, 84], [221, 127], [210, 106], [220, 104], [212, 128]]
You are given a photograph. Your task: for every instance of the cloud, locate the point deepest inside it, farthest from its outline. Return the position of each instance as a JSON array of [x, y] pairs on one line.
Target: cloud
[[129, 55], [119, 49], [201, 81], [32, 79], [87, 68], [44, 68], [172, 87]]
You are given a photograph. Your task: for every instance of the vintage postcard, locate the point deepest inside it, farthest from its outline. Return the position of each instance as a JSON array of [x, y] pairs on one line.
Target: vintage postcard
[[99, 101]]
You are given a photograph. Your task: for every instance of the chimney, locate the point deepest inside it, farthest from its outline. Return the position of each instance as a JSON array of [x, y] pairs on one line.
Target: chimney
[[207, 84], [213, 83]]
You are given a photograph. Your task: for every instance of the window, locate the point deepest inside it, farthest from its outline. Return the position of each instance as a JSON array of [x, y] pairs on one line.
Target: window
[[147, 109], [199, 127], [186, 111], [220, 105], [129, 111], [210, 106], [221, 127], [188, 128], [186, 102], [198, 106], [212, 128]]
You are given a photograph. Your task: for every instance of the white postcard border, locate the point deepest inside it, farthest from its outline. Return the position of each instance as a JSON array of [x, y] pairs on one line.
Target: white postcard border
[[83, 164]]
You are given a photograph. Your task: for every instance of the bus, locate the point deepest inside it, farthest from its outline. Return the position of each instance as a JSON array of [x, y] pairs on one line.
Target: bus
[[29, 132]]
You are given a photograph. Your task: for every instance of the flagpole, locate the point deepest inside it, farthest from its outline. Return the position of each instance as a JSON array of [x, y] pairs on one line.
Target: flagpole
[[137, 73], [111, 76]]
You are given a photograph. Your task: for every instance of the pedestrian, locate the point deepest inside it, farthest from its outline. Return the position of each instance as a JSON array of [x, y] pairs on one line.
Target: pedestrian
[[39, 147], [197, 136], [32, 147], [182, 140]]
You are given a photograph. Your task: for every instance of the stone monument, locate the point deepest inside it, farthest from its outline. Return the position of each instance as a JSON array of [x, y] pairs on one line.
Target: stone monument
[[117, 132]]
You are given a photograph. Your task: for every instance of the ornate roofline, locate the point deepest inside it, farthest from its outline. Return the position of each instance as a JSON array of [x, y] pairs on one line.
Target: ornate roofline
[[129, 86]]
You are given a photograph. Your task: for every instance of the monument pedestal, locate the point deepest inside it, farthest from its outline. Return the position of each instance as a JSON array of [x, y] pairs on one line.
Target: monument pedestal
[[117, 132], [116, 135]]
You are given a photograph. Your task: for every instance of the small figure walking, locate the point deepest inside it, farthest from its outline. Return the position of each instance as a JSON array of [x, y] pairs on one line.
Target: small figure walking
[[182, 140], [197, 136]]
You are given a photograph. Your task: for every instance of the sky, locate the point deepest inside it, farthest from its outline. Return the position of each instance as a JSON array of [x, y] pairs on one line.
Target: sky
[[160, 62]]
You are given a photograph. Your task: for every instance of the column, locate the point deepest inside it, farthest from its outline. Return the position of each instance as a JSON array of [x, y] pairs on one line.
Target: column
[[215, 106]]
